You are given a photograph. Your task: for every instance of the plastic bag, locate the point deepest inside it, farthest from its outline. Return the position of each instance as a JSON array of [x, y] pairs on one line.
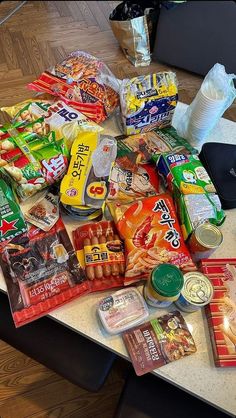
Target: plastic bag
[[216, 94], [84, 83]]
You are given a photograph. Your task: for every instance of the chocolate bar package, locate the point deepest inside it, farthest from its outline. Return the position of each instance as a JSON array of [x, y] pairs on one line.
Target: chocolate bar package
[[158, 342], [221, 311], [42, 272]]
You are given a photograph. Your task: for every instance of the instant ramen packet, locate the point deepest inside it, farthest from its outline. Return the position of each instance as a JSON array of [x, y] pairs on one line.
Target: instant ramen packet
[[41, 116], [126, 185], [100, 253], [159, 342], [42, 272], [186, 172], [83, 82], [148, 102], [149, 146], [152, 236]]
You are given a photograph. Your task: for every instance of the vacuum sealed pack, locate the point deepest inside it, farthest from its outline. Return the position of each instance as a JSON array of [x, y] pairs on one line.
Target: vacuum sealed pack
[[42, 272]]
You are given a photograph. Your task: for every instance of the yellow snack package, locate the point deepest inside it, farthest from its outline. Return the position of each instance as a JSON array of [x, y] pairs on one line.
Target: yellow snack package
[[86, 181]]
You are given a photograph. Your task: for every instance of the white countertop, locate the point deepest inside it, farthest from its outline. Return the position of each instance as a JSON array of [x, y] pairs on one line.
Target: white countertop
[[197, 373]]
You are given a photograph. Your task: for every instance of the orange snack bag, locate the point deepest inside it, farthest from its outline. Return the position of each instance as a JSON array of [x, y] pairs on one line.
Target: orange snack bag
[[152, 236]]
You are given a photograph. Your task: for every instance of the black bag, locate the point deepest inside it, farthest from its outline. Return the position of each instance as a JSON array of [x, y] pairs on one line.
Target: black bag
[[220, 162]]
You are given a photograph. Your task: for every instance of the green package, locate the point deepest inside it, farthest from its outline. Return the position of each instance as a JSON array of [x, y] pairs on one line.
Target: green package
[[11, 219], [194, 209]]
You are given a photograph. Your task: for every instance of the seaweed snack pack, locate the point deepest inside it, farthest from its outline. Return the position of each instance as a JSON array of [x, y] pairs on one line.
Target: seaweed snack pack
[[32, 163], [42, 116], [194, 209], [82, 82], [159, 342], [126, 185], [152, 236], [186, 172], [148, 102], [42, 272], [101, 255], [86, 181], [149, 146], [11, 219]]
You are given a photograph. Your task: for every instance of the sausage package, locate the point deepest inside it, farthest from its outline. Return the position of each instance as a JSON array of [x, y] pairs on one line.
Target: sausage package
[[152, 236], [42, 272], [83, 82], [101, 255]]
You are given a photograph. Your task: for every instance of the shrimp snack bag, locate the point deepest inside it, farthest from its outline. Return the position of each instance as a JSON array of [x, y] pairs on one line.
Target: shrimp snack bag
[[152, 236]]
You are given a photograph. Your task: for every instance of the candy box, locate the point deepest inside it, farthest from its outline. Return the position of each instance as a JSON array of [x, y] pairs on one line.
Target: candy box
[[148, 102], [221, 312], [11, 219]]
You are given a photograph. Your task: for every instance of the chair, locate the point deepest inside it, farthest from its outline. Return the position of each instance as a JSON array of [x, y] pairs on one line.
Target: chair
[[69, 354], [151, 397]]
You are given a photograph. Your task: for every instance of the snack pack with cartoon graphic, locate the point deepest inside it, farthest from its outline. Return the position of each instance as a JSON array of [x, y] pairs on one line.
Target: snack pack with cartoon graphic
[[186, 172], [149, 146], [11, 219], [100, 253], [41, 116], [152, 236], [42, 272], [83, 82], [126, 185], [83, 184], [148, 102]]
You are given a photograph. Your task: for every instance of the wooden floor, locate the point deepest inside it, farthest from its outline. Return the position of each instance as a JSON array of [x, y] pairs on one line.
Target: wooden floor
[[38, 35]]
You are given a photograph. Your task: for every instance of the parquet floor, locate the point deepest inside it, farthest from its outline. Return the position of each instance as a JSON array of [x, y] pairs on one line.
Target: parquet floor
[[38, 35]]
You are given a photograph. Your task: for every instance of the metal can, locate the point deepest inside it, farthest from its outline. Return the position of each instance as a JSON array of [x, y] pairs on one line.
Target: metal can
[[197, 292], [163, 286], [205, 239]]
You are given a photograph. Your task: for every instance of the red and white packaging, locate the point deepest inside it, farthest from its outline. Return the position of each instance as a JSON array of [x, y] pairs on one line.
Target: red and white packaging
[[221, 312]]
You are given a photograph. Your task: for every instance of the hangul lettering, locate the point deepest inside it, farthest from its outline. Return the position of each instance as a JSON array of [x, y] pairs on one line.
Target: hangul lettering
[[82, 149], [55, 165], [161, 206], [104, 256], [68, 116], [88, 258], [76, 173], [166, 219], [96, 256], [173, 237]]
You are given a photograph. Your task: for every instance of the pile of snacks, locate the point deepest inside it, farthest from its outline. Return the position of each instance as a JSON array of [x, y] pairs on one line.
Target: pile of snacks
[[148, 206]]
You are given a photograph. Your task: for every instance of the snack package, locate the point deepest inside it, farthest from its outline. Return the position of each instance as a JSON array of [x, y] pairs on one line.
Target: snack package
[[86, 181], [41, 116], [159, 342], [126, 185], [83, 82], [42, 272], [32, 163], [194, 209], [148, 147], [11, 219], [45, 212], [152, 236], [186, 172], [148, 102], [101, 255]]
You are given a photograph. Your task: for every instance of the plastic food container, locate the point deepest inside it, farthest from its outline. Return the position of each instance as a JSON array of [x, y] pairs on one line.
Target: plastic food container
[[196, 293], [122, 310], [163, 286]]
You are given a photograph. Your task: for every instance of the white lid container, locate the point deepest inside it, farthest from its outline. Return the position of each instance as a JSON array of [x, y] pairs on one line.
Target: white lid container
[[122, 310]]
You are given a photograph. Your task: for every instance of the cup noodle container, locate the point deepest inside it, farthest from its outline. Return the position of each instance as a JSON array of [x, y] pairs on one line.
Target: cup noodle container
[[205, 110]]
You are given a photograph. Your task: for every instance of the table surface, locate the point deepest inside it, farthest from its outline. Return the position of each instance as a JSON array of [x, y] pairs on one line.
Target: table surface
[[196, 374]]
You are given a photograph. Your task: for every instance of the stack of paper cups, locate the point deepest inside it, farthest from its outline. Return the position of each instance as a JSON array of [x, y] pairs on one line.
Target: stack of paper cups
[[205, 114]]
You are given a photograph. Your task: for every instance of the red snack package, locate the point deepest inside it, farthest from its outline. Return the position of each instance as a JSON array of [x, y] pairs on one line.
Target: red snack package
[[83, 82], [41, 272], [152, 236], [100, 253]]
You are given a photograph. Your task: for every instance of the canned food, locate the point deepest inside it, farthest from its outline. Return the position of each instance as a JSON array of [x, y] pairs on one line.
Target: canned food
[[205, 239], [163, 286], [197, 292]]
